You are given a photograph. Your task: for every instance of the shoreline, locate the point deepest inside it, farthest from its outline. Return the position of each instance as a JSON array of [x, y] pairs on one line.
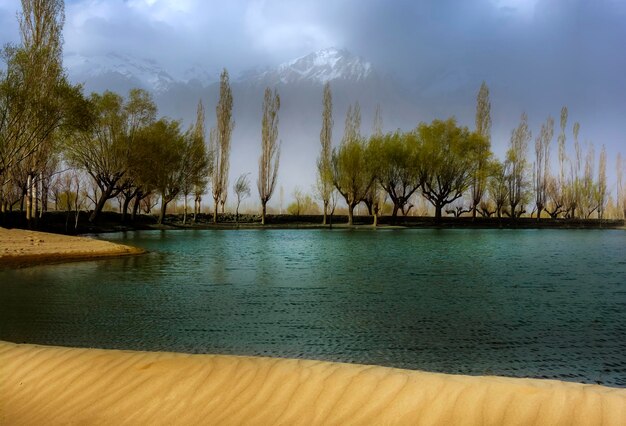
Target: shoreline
[[55, 222], [57, 385], [21, 248]]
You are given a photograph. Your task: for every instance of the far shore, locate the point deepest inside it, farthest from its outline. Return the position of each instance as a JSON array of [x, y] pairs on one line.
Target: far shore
[[57, 385], [56, 222]]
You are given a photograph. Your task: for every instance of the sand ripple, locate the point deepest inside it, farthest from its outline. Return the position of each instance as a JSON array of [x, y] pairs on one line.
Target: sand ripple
[[53, 385]]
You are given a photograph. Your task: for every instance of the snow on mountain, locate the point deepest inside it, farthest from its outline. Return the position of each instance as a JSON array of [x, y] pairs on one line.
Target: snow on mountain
[[145, 72], [200, 74], [320, 67]]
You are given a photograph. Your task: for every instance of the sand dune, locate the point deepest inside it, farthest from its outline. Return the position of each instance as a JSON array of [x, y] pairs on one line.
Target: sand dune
[[53, 385], [19, 247]]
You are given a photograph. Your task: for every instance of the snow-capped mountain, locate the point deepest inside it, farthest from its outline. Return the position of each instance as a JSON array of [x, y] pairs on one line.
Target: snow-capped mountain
[[320, 67], [95, 70]]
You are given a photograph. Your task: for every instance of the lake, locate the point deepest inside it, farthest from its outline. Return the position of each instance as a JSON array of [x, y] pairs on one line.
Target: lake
[[529, 303]]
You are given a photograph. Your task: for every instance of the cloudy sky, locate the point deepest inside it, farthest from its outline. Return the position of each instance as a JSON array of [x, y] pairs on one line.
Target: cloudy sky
[[536, 55]]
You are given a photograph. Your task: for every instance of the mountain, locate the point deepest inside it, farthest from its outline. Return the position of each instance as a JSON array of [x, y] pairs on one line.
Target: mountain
[[299, 83], [319, 67]]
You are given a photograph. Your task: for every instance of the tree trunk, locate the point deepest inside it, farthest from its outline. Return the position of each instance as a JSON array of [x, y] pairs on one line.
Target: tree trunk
[[100, 205], [163, 209], [474, 212], [375, 219], [29, 198], [350, 214], [325, 214], [438, 208], [127, 201], [216, 206], [237, 213], [264, 209], [136, 206], [185, 210]]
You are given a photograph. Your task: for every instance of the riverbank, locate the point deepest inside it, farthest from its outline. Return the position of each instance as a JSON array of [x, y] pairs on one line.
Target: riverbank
[[24, 248], [56, 222], [55, 385]]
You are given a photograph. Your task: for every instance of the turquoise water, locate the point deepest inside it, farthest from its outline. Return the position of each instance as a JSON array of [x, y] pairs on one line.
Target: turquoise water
[[538, 303]]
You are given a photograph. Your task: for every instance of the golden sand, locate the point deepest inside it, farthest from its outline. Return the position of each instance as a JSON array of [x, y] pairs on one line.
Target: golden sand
[[54, 385], [19, 247]]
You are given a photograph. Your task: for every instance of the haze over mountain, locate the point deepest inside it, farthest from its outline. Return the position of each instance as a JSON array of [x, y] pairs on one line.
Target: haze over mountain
[[299, 83]]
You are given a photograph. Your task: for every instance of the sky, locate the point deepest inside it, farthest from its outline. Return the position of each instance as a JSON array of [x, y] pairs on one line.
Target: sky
[[536, 55]]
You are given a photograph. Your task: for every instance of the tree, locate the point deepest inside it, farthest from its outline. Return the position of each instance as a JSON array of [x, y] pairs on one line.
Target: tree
[[601, 193], [483, 128], [497, 186], [104, 150], [398, 162], [324, 169], [220, 143], [302, 204], [620, 198], [448, 161], [351, 171], [516, 167], [242, 191], [270, 150], [196, 162], [164, 146], [36, 100], [542, 164]]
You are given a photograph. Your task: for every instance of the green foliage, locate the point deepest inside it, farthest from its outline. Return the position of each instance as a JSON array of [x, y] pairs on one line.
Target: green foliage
[[324, 168], [448, 159], [395, 158], [303, 204], [164, 149]]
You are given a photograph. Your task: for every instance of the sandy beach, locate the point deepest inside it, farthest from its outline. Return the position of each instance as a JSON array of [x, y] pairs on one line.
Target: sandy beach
[[54, 385], [19, 247]]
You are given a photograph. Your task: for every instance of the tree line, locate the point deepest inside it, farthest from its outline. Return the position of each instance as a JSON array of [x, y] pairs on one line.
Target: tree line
[[56, 144], [454, 169], [52, 136]]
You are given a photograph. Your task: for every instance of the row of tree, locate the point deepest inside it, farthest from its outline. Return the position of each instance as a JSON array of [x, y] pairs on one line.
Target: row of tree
[[48, 127], [51, 134], [452, 166]]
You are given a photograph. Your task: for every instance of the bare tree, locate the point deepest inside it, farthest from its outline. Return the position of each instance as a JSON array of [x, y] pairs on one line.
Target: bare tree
[[196, 162], [270, 150], [220, 143], [324, 168], [542, 164], [621, 193], [242, 191], [377, 128], [516, 167], [601, 192], [480, 170]]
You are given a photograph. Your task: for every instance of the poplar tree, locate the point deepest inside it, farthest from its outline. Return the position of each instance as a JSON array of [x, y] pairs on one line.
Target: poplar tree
[[480, 170], [324, 170], [220, 146], [516, 167], [270, 150], [542, 164]]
